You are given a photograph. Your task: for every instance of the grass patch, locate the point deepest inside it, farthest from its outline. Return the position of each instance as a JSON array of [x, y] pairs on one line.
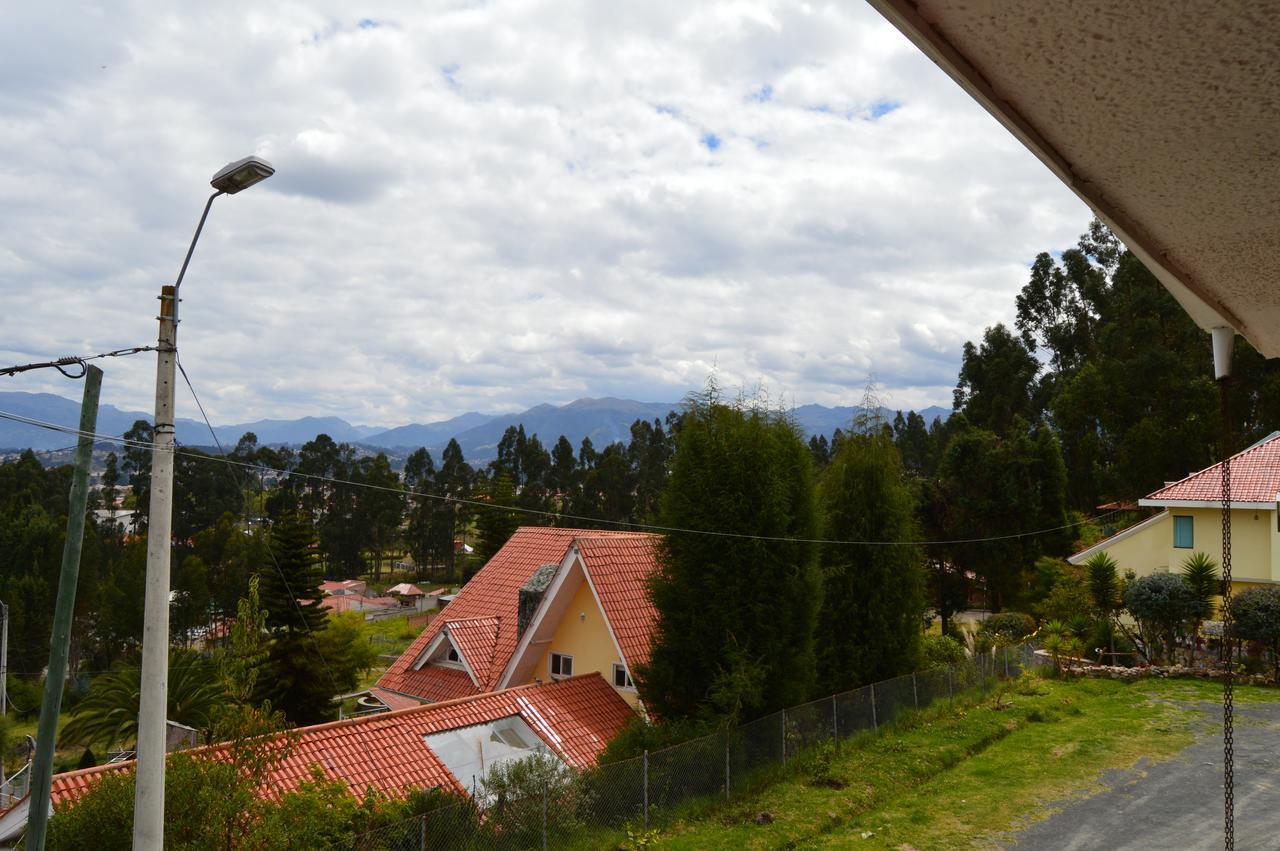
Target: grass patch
[[962, 774]]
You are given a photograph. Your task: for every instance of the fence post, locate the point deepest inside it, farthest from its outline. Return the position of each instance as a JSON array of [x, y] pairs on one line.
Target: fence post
[[544, 814], [875, 725], [646, 790], [1006, 663], [784, 738], [422, 834], [915, 692], [835, 720], [951, 686], [726, 763]]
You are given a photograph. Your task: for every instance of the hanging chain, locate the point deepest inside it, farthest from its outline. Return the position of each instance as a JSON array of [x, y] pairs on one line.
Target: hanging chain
[[1228, 688]]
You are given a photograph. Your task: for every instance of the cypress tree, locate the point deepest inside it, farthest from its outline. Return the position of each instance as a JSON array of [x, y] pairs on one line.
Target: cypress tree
[[735, 615], [872, 602]]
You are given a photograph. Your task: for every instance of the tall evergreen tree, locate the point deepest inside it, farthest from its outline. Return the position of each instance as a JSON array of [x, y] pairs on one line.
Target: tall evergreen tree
[[300, 684], [496, 523], [872, 602], [736, 616]]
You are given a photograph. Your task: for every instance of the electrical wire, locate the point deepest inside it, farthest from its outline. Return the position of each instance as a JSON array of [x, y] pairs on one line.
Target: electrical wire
[[626, 524], [74, 360]]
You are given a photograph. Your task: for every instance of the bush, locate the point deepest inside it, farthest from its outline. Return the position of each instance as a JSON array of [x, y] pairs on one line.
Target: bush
[[941, 651], [1161, 603], [1007, 627], [640, 735], [1256, 616]]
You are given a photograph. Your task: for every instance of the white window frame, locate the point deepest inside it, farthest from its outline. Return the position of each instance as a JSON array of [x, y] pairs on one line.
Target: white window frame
[[559, 658], [627, 683]]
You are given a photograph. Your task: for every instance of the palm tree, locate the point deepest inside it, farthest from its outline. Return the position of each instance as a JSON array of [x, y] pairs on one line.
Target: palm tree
[[1200, 572], [109, 714], [1104, 587]]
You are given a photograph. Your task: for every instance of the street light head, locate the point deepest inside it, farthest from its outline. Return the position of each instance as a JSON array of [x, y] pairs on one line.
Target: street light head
[[241, 174]]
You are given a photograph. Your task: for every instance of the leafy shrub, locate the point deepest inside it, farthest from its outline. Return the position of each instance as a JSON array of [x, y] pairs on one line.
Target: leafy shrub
[[941, 651], [816, 762], [1256, 616], [513, 794], [1162, 604], [1008, 627], [640, 735]]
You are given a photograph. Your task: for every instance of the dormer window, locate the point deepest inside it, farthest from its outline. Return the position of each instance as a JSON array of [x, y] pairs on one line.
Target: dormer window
[[452, 655]]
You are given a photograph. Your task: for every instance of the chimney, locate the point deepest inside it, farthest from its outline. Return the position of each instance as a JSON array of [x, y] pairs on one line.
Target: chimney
[[531, 593]]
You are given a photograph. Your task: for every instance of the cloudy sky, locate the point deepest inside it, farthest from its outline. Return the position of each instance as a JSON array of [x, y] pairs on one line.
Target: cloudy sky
[[484, 206]]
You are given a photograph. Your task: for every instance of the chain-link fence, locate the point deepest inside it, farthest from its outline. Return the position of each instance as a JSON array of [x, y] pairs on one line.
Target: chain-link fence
[[589, 808]]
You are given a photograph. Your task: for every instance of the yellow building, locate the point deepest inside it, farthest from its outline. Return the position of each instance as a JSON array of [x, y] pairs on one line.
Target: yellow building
[[551, 604], [1191, 521]]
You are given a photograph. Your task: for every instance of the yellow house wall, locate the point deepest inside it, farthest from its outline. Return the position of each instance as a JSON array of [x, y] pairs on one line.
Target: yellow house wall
[[1253, 544], [583, 634]]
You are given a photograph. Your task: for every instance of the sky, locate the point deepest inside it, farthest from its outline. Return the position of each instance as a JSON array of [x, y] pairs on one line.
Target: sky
[[490, 205]]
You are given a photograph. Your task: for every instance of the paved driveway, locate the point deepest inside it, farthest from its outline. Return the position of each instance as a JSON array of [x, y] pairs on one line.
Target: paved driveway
[[1178, 804]]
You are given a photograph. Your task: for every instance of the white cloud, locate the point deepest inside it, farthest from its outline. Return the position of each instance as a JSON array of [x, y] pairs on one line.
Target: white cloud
[[492, 205]]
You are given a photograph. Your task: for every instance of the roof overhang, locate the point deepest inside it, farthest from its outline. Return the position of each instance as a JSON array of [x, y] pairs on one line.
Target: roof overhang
[[1158, 116], [1204, 503]]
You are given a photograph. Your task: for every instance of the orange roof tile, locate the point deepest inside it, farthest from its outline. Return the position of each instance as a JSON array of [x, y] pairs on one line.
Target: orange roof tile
[[576, 717], [475, 639], [1255, 477], [491, 593], [620, 567]]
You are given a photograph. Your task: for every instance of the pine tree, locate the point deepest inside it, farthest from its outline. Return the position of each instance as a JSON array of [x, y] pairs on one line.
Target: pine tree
[[494, 525], [300, 684], [735, 615], [872, 602]]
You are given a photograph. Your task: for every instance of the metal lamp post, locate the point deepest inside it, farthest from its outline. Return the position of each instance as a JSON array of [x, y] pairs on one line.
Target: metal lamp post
[[148, 802]]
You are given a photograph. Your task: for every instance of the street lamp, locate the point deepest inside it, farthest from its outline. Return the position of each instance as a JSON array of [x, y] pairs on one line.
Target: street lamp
[[148, 801]]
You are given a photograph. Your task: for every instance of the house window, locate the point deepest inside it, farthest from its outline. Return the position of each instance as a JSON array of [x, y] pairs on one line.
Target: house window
[[561, 666], [621, 678], [453, 656], [1183, 532]]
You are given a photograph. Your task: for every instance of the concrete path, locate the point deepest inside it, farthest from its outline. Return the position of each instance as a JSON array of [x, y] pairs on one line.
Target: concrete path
[[1177, 804]]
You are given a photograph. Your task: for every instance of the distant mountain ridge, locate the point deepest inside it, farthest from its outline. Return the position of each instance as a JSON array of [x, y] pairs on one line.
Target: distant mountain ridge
[[604, 420]]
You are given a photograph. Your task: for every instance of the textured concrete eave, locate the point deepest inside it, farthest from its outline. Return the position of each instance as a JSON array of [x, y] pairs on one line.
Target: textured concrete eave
[[1197, 297]]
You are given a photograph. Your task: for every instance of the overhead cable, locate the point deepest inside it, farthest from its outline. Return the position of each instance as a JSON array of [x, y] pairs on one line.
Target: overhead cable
[[535, 512]]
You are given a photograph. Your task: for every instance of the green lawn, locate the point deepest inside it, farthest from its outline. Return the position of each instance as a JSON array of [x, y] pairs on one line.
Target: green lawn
[[961, 775]]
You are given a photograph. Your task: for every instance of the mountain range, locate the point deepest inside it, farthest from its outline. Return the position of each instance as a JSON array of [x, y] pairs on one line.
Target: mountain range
[[603, 420]]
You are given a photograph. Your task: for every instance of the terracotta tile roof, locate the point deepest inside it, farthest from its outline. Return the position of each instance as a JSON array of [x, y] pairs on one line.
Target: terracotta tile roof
[[619, 567], [491, 593], [475, 639], [392, 700], [357, 603], [1255, 477], [576, 717]]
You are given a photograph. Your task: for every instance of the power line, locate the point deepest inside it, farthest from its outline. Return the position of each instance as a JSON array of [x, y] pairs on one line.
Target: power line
[[81, 361], [626, 524]]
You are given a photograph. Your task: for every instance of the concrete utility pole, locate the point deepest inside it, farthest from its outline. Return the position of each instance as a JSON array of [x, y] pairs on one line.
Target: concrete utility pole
[[4, 661], [64, 608], [148, 799]]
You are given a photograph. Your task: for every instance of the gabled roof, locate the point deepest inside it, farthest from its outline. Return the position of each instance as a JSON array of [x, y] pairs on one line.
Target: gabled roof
[[1255, 479], [575, 717], [476, 639], [491, 593], [619, 569]]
